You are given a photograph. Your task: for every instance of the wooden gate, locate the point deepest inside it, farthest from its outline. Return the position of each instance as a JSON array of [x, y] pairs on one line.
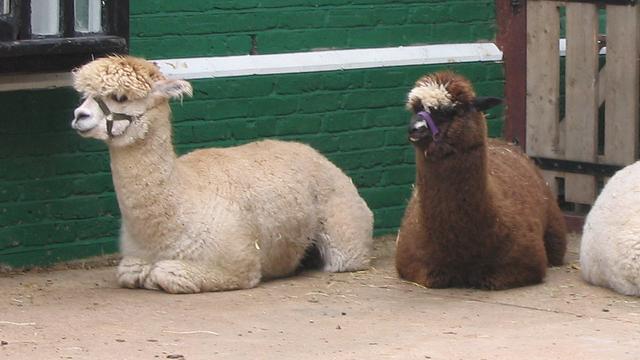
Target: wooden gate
[[584, 139]]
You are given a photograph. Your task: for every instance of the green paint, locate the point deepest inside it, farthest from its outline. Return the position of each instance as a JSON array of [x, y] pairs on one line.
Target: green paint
[[162, 29], [54, 253]]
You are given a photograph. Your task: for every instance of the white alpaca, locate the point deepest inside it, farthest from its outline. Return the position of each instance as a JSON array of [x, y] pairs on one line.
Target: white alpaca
[[214, 219], [610, 248]]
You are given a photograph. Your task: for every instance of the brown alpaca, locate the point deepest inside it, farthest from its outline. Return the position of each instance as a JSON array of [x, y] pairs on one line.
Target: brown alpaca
[[480, 214]]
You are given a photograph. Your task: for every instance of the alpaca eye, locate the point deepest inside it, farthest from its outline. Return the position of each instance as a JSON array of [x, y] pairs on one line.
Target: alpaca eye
[[439, 115], [442, 115], [119, 99]]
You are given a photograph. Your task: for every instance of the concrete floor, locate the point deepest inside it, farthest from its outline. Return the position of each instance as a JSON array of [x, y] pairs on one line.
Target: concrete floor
[[82, 314]]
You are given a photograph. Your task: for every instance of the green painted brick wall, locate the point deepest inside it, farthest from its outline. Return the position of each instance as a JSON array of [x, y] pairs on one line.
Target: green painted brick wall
[[173, 29], [56, 195]]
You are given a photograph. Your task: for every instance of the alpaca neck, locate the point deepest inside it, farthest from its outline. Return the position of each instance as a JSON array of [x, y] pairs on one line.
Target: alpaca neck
[[142, 171], [456, 189]]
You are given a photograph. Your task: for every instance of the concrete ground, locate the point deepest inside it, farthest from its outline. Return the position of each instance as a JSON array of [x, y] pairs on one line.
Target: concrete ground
[[82, 314]]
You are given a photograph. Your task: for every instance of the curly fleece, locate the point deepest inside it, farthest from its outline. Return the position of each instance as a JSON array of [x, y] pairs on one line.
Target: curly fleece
[[121, 75]]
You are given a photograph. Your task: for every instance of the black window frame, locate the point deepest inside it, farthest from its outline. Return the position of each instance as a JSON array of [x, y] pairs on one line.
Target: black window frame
[[20, 52]]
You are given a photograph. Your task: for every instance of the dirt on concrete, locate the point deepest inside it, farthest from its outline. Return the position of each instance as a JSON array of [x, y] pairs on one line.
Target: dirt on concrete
[[80, 313]]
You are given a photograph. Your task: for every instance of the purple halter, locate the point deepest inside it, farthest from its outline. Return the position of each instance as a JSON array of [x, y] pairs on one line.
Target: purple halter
[[426, 116]]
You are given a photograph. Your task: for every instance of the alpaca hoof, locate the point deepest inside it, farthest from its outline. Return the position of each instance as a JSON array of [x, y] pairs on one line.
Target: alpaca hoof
[[129, 280], [132, 272], [172, 277]]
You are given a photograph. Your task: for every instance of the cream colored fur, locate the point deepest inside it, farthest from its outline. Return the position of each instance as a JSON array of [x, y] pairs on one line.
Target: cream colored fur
[[219, 219], [431, 95], [610, 247]]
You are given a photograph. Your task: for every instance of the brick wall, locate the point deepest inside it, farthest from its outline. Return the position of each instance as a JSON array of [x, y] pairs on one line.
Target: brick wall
[[56, 195], [170, 29]]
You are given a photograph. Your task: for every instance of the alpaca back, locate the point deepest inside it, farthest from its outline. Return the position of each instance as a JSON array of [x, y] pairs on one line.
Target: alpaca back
[[276, 168], [283, 191], [517, 187], [610, 247], [525, 201]]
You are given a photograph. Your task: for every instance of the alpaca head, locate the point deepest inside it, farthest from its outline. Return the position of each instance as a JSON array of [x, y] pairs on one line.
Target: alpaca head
[[447, 116], [117, 92]]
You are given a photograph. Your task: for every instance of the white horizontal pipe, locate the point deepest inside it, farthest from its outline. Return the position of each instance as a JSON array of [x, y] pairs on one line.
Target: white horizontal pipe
[[200, 68], [245, 65]]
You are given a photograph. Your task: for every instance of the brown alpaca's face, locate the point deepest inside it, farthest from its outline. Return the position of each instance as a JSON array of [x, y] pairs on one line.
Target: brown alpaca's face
[[439, 133], [447, 117]]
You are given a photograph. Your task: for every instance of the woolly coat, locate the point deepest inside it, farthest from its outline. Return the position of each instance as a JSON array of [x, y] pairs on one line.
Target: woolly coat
[[214, 219], [251, 209], [610, 247], [480, 214]]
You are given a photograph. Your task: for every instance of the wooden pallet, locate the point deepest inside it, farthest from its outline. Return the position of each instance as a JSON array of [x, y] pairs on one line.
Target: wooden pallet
[[616, 85]]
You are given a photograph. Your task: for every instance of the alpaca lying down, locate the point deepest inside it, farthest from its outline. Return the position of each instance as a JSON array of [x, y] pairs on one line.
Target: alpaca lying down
[[610, 246], [480, 214], [213, 219]]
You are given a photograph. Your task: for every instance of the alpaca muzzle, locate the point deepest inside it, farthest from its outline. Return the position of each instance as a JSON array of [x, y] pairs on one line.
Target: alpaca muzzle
[[422, 126], [110, 117]]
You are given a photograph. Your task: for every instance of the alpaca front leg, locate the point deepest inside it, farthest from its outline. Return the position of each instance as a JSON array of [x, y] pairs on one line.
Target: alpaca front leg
[[185, 277], [132, 272]]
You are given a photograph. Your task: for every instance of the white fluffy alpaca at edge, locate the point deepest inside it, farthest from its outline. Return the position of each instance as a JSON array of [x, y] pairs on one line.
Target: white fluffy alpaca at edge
[[213, 219], [610, 247]]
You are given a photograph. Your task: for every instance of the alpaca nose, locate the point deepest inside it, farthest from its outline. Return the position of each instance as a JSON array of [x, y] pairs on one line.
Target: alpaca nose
[[418, 130], [80, 114]]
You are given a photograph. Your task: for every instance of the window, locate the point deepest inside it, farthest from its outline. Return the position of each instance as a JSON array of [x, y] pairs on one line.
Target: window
[[57, 35], [4, 6]]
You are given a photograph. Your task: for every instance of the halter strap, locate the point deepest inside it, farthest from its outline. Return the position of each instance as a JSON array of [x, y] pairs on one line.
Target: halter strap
[[110, 117], [426, 116]]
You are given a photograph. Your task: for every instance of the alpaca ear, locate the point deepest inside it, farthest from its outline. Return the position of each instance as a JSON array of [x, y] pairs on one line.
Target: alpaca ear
[[482, 103], [172, 89]]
